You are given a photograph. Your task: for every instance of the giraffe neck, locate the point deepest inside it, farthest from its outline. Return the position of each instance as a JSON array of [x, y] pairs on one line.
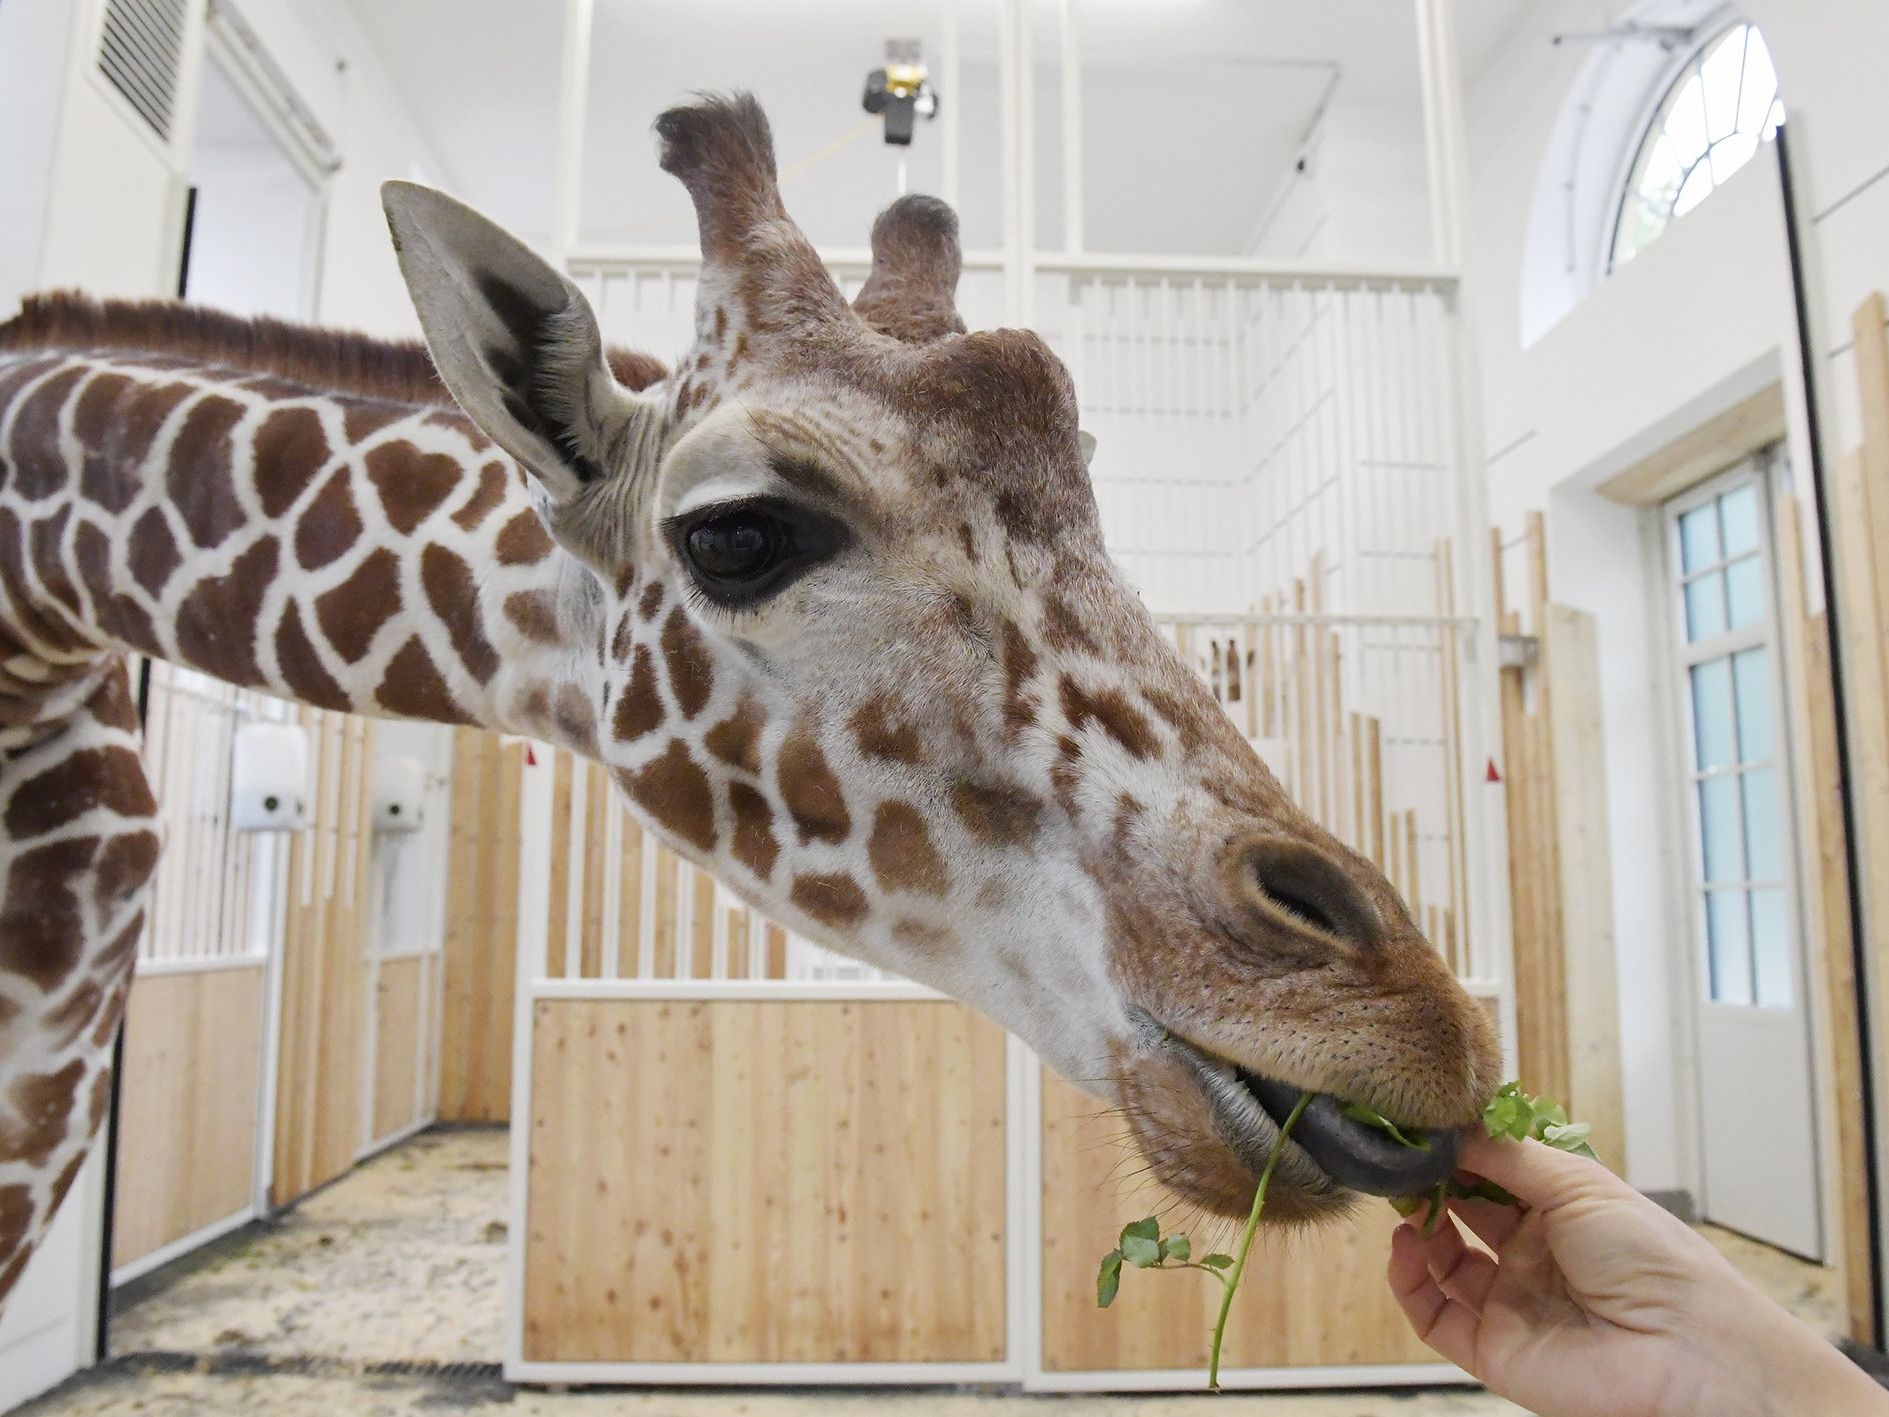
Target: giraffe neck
[[343, 551]]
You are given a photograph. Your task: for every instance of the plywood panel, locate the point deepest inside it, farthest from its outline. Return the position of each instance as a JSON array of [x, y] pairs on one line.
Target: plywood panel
[[320, 1074], [1309, 1299], [765, 1181], [479, 959], [192, 1085], [1590, 995], [398, 1039]]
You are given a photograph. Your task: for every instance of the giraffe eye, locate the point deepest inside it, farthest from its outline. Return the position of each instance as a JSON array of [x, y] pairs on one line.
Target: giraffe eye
[[737, 547], [740, 554]]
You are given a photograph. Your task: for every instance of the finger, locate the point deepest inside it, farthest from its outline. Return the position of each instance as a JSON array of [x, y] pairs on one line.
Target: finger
[[1445, 1325], [1542, 1177], [1489, 1221], [1461, 1271]]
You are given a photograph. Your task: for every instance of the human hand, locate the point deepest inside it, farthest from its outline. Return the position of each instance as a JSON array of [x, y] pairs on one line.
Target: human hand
[[1598, 1302]]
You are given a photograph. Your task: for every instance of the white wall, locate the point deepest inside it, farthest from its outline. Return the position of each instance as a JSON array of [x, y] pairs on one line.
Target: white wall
[[1697, 321], [1362, 194], [34, 40]]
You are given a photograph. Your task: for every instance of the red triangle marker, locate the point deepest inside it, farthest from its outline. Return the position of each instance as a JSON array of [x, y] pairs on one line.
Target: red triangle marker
[[1493, 775], [531, 758]]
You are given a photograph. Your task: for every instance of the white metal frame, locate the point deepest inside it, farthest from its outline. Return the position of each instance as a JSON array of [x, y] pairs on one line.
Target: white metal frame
[[1020, 263]]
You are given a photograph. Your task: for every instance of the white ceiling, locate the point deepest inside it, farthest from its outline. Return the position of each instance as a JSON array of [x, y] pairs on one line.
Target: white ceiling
[[1195, 107]]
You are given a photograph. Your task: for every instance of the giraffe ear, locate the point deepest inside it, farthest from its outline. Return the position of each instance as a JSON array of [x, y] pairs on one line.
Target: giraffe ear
[[1087, 441], [514, 340]]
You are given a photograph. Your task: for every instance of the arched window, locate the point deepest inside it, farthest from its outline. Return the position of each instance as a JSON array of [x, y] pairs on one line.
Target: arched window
[[1720, 105]]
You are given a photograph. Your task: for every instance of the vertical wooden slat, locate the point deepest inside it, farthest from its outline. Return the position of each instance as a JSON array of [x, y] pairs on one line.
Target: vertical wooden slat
[[1829, 943]]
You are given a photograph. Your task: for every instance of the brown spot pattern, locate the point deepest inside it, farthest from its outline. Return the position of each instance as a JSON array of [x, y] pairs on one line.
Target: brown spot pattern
[[835, 899], [1019, 665], [736, 739], [151, 551], [534, 614], [489, 493], [329, 525], [42, 929], [108, 471], [412, 687], [814, 797], [639, 710], [676, 792], [411, 484], [450, 590], [198, 477], [216, 624], [1118, 718], [523, 540], [753, 844], [290, 449], [691, 672], [880, 736], [38, 469], [901, 852], [300, 664], [42, 1103], [996, 816], [352, 613]]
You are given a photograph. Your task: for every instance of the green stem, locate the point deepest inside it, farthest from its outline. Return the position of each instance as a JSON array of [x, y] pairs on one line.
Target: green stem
[[1232, 1280]]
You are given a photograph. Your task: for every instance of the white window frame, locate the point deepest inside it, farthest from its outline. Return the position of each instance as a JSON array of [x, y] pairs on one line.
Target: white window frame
[[1680, 656]]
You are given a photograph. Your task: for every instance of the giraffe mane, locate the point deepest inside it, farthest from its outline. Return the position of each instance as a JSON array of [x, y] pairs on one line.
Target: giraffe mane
[[325, 360]]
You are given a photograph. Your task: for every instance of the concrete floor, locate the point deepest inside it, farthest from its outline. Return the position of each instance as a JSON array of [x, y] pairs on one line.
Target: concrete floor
[[383, 1295]]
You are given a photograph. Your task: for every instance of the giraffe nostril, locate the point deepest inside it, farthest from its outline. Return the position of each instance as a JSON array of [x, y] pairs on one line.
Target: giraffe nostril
[[1307, 885]]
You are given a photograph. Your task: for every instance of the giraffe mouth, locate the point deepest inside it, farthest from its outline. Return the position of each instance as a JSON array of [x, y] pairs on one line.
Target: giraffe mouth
[[1249, 1108]]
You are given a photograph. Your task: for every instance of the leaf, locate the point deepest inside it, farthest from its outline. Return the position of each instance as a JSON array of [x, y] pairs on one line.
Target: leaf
[[1406, 1206], [1140, 1251], [1148, 1229], [1358, 1112], [1217, 1261], [1483, 1190], [1177, 1247], [1109, 1280], [1573, 1137], [1439, 1207]]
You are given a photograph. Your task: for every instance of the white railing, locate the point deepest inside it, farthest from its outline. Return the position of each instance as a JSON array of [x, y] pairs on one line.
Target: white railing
[[210, 895]]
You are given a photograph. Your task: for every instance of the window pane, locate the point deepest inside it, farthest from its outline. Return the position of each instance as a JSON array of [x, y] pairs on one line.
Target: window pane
[[1705, 607], [1722, 70], [1695, 189], [1714, 742], [1728, 951], [1744, 586], [1685, 120], [1751, 674], [1760, 87], [1738, 514], [1698, 539], [1764, 851], [1719, 834], [1771, 949]]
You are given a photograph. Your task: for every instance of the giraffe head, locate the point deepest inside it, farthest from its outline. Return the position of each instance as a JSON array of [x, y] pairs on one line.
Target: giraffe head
[[856, 645]]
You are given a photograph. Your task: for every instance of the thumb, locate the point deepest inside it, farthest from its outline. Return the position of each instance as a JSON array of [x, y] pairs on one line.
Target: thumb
[[1541, 1177]]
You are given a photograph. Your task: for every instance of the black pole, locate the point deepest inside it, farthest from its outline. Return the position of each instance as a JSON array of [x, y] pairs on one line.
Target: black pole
[[1852, 861], [101, 1337]]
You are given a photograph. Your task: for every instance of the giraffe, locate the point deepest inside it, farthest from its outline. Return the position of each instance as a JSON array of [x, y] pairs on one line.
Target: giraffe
[[829, 600]]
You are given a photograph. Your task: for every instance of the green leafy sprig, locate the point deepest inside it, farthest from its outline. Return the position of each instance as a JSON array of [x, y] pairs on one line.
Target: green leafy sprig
[[1511, 1113], [1143, 1246]]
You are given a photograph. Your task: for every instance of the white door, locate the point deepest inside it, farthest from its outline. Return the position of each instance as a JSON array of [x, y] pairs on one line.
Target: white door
[[1758, 1142]]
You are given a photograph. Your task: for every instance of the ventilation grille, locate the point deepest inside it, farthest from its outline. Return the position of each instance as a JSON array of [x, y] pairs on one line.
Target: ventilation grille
[[139, 50]]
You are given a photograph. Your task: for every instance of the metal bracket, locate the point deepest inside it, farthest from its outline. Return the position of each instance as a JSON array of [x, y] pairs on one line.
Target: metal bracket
[[1517, 651]]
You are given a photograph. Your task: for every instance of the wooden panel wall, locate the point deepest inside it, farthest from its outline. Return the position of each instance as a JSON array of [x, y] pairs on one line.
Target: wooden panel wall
[[1560, 878], [1312, 1298], [1859, 533], [765, 1182], [1830, 960], [319, 1077], [481, 946], [399, 1043], [191, 1094]]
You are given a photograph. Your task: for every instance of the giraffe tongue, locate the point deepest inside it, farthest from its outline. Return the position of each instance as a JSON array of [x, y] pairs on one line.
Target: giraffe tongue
[[1357, 1156]]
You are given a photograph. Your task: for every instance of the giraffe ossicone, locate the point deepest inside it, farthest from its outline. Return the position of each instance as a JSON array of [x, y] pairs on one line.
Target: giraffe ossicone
[[829, 599]]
